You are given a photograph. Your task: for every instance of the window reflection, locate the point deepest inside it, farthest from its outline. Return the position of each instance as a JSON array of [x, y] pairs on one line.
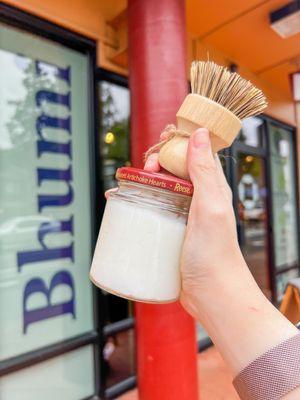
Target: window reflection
[[119, 357], [114, 130], [251, 133], [283, 279], [119, 348], [283, 197], [252, 216], [118, 351]]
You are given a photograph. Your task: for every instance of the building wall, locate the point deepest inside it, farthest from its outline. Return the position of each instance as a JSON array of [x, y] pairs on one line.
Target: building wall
[[87, 17], [280, 106], [105, 22]]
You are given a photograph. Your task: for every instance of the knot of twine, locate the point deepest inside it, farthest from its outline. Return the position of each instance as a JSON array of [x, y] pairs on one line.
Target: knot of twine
[[171, 131]]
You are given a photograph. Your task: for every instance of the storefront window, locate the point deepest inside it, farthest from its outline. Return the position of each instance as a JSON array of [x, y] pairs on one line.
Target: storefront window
[[119, 349], [252, 216], [284, 205], [251, 133], [114, 130], [45, 220], [282, 163], [66, 377]]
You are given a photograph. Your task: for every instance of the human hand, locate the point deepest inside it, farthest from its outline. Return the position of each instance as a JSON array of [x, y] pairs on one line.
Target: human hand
[[210, 253]]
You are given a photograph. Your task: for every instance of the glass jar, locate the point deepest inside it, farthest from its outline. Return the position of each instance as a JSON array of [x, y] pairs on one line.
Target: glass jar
[[138, 249]]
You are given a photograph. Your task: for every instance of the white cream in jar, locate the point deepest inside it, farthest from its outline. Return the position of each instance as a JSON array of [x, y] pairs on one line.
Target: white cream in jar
[[138, 249]]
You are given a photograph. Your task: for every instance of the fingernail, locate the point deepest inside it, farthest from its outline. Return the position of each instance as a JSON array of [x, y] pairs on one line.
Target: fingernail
[[200, 137]]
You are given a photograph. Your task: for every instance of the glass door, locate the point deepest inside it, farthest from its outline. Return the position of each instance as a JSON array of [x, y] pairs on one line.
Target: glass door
[[284, 218], [252, 214], [264, 183]]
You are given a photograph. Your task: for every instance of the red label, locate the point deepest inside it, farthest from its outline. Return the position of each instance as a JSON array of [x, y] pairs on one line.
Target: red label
[[158, 180]]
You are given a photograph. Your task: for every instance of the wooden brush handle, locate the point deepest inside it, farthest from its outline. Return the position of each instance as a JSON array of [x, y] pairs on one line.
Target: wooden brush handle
[[197, 111]]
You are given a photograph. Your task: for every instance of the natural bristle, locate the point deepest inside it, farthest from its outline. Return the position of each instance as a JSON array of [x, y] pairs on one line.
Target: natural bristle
[[227, 88]]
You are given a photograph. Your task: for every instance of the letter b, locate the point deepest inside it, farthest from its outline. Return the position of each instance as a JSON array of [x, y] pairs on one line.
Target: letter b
[[37, 285]]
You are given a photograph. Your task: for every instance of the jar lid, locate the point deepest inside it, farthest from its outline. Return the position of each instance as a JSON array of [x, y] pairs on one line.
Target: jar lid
[[158, 180]]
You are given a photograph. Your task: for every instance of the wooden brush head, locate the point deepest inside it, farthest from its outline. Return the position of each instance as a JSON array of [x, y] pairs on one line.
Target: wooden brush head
[[219, 101]]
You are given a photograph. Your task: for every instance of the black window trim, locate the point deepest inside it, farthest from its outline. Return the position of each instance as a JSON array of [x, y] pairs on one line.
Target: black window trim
[[112, 77]]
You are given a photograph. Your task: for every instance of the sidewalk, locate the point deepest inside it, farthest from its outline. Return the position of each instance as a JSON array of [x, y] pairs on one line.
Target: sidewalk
[[214, 377]]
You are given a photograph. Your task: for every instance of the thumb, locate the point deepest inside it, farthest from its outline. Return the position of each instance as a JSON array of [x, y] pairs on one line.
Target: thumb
[[200, 160]]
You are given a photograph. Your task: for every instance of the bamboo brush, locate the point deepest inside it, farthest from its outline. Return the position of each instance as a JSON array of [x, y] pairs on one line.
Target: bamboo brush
[[219, 101]]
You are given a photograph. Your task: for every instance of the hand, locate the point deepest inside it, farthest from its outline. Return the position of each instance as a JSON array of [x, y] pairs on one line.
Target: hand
[[210, 251]]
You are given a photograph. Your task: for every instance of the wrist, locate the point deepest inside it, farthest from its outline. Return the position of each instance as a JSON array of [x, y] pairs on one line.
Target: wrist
[[219, 289], [226, 283], [239, 318]]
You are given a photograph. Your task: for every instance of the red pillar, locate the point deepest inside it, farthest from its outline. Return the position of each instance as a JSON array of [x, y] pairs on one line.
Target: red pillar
[[166, 342]]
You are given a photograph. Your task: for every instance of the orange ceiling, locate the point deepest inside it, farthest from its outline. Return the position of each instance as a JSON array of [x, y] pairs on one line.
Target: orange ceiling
[[204, 16], [241, 30]]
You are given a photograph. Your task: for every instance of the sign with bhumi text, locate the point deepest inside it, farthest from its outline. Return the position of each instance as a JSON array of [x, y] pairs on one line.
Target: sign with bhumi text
[[45, 242]]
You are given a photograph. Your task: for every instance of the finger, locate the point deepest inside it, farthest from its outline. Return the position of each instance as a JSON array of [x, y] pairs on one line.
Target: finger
[[108, 192], [152, 164], [201, 163]]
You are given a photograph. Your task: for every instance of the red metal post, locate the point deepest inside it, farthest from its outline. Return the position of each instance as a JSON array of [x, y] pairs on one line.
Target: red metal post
[[166, 342]]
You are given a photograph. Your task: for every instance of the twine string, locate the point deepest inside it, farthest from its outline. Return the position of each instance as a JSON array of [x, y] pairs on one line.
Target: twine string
[[171, 131]]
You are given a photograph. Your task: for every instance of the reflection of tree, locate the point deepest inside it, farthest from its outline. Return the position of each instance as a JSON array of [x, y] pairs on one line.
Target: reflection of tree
[[20, 125], [119, 149], [108, 108], [253, 168], [279, 161], [110, 122]]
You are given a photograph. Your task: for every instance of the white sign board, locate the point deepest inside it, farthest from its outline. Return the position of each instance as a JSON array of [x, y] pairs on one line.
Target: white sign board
[[45, 242]]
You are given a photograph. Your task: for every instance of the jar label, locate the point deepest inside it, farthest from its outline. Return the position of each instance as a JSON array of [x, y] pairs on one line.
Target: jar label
[[158, 180]]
